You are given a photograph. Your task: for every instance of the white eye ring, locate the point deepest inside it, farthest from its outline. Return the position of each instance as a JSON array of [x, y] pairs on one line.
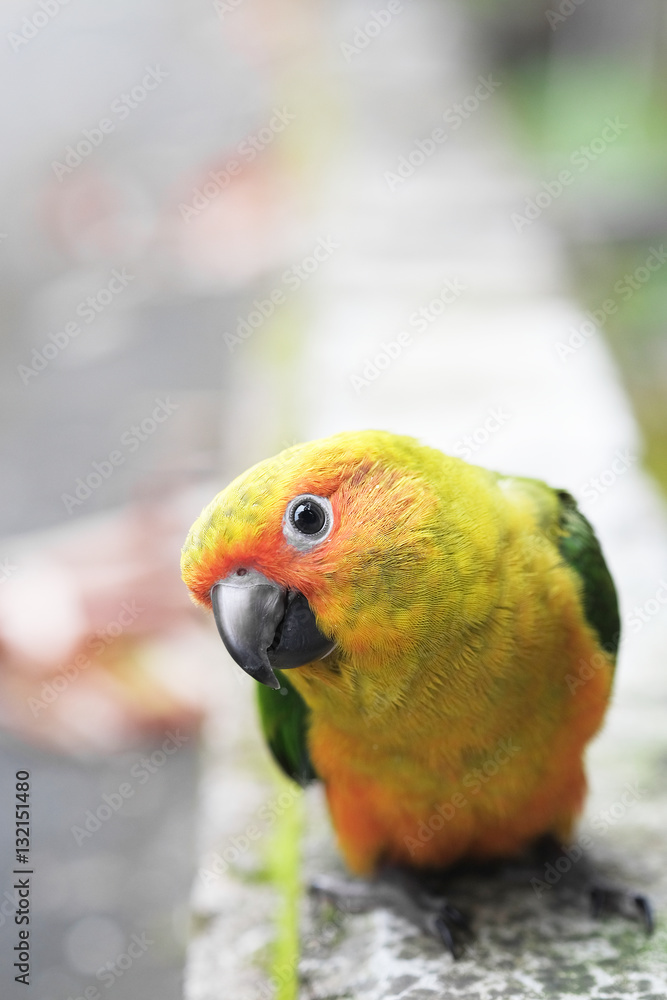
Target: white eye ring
[[297, 537]]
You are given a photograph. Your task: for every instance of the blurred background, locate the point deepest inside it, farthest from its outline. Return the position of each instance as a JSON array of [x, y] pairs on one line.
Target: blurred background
[[238, 224]]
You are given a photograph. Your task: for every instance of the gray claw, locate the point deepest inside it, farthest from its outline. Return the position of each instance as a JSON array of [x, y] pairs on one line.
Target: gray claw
[[645, 911]]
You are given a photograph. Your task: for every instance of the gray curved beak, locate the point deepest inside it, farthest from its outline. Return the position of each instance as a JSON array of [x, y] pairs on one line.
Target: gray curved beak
[[264, 625], [247, 610]]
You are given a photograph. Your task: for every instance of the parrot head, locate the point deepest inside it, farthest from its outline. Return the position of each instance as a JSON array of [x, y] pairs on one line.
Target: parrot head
[[330, 551]]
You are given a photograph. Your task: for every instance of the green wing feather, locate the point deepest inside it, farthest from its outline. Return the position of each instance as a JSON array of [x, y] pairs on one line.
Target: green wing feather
[[563, 523], [284, 716], [581, 550]]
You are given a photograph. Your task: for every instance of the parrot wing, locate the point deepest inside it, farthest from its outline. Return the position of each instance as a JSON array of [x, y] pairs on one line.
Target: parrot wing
[[581, 550], [284, 716]]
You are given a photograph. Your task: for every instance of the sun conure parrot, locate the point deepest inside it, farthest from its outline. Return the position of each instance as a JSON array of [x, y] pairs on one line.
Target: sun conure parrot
[[432, 616]]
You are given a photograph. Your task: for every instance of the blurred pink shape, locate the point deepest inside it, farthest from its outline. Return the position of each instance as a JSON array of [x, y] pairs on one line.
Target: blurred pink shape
[[77, 622]]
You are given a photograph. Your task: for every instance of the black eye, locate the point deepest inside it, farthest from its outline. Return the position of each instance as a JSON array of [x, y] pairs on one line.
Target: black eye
[[308, 521], [308, 517]]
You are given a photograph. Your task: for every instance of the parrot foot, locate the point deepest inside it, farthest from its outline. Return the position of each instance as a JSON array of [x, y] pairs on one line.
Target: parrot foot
[[347, 895], [431, 912], [609, 899], [403, 891], [604, 897]]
